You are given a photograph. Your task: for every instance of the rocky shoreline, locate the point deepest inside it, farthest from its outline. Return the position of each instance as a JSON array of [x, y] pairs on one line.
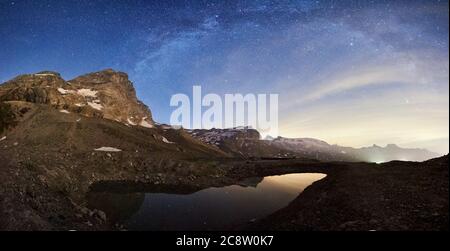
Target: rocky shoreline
[[395, 196]]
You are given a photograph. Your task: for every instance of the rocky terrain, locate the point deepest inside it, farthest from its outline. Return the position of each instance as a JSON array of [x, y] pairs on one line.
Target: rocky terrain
[[394, 196], [60, 138]]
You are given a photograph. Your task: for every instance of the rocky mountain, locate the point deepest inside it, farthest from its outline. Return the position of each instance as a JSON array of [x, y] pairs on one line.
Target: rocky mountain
[[106, 94], [241, 142], [312, 148]]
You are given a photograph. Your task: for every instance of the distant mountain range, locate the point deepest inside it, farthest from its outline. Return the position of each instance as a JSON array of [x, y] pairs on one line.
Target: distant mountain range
[[370, 154], [246, 142]]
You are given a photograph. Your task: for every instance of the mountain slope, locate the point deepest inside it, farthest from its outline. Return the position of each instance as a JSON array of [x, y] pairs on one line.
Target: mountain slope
[[43, 128]]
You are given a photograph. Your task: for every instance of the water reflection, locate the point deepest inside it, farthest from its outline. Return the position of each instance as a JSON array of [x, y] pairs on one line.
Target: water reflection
[[209, 209]]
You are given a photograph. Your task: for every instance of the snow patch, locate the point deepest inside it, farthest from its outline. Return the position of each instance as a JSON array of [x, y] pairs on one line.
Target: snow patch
[[165, 127], [3, 138], [79, 104], [107, 149], [303, 142], [130, 122], [44, 74], [95, 106], [87, 93], [64, 91], [166, 141], [64, 111], [144, 123]]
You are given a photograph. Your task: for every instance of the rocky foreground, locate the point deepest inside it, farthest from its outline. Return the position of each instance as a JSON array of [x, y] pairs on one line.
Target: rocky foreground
[[353, 196], [393, 196]]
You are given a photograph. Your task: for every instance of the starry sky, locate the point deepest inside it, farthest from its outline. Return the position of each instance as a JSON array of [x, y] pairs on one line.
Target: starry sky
[[354, 73]]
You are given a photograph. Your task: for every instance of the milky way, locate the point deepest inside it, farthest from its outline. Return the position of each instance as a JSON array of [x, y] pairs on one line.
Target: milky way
[[349, 72]]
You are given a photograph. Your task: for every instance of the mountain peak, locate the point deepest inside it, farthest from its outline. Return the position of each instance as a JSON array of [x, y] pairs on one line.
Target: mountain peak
[[109, 70], [108, 94], [102, 77]]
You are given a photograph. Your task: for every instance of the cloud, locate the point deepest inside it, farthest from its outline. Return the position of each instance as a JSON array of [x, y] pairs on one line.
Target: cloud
[[421, 68]]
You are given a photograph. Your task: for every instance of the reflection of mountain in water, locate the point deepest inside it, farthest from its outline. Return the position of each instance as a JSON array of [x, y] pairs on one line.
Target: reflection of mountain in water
[[250, 182]]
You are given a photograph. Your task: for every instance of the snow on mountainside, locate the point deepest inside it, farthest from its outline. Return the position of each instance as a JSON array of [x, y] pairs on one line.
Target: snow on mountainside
[[107, 94]]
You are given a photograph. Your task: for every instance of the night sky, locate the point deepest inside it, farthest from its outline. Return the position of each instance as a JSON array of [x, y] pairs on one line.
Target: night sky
[[349, 72]]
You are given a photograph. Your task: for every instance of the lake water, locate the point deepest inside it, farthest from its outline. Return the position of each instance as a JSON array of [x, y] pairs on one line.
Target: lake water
[[212, 208]]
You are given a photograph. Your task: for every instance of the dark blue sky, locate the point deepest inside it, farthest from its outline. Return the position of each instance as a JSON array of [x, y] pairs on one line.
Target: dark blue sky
[[377, 70]]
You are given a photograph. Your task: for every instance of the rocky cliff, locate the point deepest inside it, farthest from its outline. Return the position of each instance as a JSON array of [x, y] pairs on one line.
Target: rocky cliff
[[106, 94]]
